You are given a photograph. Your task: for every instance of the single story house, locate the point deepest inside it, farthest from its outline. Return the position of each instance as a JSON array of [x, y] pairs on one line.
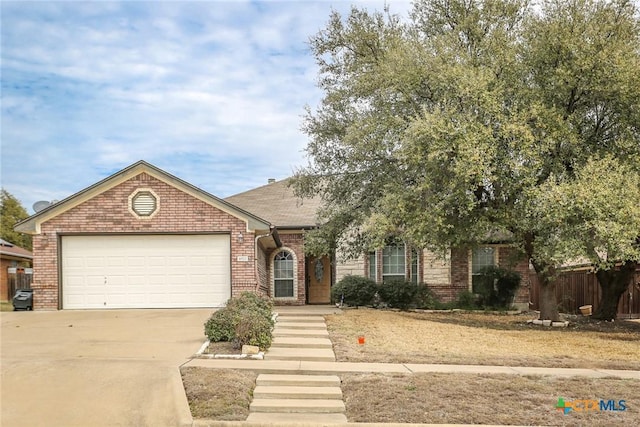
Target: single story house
[[142, 238], [13, 260]]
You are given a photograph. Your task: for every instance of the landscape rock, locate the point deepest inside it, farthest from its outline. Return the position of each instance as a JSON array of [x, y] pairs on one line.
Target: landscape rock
[[250, 349]]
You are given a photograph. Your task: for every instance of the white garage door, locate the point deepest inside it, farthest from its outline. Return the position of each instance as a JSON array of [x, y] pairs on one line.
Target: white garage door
[[145, 271]]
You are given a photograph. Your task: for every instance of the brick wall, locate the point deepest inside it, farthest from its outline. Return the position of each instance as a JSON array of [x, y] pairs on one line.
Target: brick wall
[[294, 242], [507, 258], [511, 259], [109, 212]]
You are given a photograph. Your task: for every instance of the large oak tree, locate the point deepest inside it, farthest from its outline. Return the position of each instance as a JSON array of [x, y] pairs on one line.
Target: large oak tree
[[466, 119]]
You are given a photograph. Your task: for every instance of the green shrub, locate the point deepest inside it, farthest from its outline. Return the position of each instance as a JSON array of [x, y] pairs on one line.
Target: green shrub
[[466, 300], [398, 293], [426, 299], [497, 286], [253, 329], [245, 320], [354, 290], [221, 325], [252, 302]]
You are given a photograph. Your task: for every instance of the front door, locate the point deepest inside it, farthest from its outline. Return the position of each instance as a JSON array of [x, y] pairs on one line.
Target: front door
[[319, 280]]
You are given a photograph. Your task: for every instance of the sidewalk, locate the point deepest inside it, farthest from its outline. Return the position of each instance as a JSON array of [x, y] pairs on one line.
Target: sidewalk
[[323, 368]]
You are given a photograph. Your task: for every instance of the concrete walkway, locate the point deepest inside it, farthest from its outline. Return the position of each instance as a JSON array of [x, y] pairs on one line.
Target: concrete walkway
[[277, 398], [293, 375]]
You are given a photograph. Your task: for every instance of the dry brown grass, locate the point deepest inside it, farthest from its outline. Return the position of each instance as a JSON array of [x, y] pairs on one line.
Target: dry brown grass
[[215, 394], [482, 339], [222, 347], [484, 399]]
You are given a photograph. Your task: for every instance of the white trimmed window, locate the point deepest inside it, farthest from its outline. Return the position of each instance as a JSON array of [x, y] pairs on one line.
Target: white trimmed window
[[284, 273], [415, 265], [481, 257], [373, 265], [393, 262]]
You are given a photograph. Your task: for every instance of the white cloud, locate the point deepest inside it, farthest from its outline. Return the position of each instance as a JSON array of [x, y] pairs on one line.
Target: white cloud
[[212, 91]]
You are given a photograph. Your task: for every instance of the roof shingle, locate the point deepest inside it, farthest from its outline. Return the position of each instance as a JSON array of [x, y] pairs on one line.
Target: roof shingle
[[277, 204]]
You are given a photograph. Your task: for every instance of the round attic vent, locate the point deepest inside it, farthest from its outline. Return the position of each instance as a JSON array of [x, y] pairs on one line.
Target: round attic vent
[[144, 203]]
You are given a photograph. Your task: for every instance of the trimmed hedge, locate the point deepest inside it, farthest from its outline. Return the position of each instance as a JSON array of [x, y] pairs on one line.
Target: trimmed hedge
[[245, 320], [397, 293], [354, 291]]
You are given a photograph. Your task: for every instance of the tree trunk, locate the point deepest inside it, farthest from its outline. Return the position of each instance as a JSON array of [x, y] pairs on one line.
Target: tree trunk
[[613, 283], [547, 299]]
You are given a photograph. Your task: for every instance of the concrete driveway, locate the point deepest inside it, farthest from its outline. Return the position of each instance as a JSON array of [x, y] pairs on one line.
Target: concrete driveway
[[98, 368]]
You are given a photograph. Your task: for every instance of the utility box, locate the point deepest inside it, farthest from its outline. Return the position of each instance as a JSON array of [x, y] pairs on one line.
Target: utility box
[[23, 299]]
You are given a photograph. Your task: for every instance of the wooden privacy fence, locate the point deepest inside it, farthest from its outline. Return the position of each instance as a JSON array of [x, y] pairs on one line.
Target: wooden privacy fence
[[578, 288], [18, 278]]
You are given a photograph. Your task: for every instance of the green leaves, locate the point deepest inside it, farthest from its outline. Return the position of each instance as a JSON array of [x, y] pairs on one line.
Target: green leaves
[[11, 212], [480, 116]]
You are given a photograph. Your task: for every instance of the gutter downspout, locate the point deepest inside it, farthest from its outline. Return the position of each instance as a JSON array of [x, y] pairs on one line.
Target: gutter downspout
[[272, 230]]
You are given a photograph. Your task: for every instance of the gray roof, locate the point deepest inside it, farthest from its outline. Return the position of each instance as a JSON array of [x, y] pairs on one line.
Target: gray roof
[[277, 204]]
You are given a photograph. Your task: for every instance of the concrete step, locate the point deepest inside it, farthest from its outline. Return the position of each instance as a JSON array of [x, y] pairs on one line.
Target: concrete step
[[279, 418], [303, 333], [296, 392], [301, 325], [301, 342], [313, 406], [298, 380], [307, 354], [300, 319]]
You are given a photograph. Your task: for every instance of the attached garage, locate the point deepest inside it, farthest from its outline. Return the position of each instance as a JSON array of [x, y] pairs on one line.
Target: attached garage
[[142, 238], [145, 271]]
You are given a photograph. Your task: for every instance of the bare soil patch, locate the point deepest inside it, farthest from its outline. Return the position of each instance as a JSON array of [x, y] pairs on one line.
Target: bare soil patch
[[217, 394], [484, 399], [222, 347], [482, 339]]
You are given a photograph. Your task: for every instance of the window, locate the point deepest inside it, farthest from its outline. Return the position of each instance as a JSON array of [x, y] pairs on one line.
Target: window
[[373, 265], [481, 257], [414, 266], [393, 262], [283, 275]]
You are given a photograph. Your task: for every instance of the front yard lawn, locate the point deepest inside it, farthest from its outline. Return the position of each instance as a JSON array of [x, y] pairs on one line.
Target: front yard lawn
[[482, 339], [455, 338], [218, 394], [485, 399]]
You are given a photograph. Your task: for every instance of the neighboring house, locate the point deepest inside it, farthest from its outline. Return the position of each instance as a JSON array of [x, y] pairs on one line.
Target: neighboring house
[[143, 238], [13, 260]]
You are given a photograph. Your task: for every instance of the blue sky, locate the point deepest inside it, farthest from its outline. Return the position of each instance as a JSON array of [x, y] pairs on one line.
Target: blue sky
[[210, 91]]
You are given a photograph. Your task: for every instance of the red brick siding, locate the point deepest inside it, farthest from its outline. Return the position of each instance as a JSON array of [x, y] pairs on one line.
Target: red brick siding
[[108, 212], [507, 258], [295, 242], [511, 259]]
